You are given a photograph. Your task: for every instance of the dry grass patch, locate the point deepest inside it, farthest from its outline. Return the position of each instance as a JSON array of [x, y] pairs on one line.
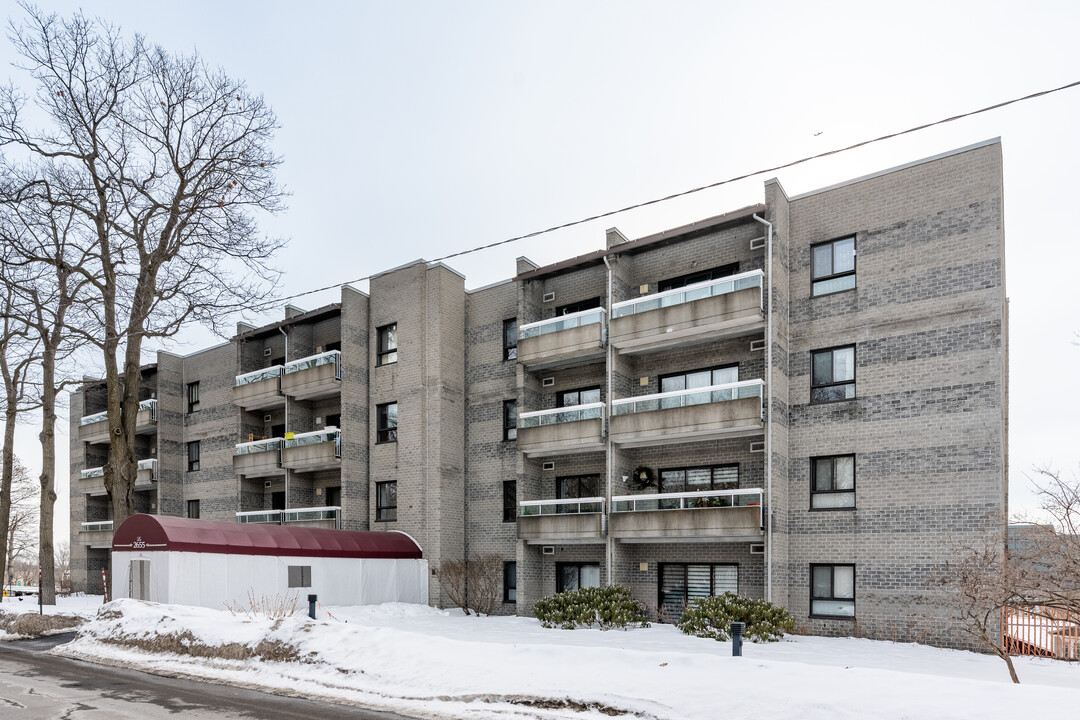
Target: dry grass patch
[[29, 625], [187, 644]]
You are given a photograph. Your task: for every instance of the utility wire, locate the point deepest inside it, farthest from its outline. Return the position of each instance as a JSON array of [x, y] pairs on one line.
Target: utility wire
[[691, 191]]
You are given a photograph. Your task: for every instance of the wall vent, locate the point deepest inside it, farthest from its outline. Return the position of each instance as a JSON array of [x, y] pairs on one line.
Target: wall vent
[[318, 421], [756, 345], [549, 297], [318, 349], [548, 382], [757, 243], [153, 450], [548, 549], [549, 466], [267, 352], [268, 418], [757, 447], [268, 483], [757, 548]]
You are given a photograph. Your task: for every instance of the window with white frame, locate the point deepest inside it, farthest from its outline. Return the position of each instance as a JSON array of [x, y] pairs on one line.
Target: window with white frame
[[833, 266], [832, 590]]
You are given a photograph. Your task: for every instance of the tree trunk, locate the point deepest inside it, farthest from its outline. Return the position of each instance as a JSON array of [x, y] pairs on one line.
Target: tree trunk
[[8, 471], [48, 478]]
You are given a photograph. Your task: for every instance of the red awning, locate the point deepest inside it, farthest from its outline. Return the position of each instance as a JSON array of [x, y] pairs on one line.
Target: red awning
[[162, 532]]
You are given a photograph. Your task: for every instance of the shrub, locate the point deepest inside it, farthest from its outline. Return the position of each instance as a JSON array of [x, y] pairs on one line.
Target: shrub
[[711, 617], [605, 608], [473, 586]]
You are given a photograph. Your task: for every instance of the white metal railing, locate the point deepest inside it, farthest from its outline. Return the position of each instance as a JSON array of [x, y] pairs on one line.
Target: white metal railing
[[92, 473], [683, 398], [589, 411], [314, 361], [280, 517], [257, 375], [697, 291], [99, 526], [742, 497], [316, 437], [571, 506], [562, 322], [258, 446]]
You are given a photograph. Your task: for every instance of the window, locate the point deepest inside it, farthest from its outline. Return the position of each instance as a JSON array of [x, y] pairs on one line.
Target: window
[[832, 590], [386, 423], [333, 496], [510, 339], [509, 500], [574, 576], [510, 582], [299, 576], [193, 451], [832, 482], [386, 501], [695, 479], [833, 266], [584, 396], [699, 378], [331, 346], [333, 420], [193, 509], [696, 277], [578, 306], [509, 418], [277, 500], [681, 585], [387, 338], [833, 375], [193, 397], [578, 486]]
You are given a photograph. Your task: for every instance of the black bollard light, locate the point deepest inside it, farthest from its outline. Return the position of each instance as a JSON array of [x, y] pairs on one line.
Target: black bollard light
[[737, 629], [311, 600]]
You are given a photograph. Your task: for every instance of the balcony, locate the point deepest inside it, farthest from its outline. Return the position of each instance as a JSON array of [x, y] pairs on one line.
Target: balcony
[[574, 339], [96, 534], [711, 310], [317, 517], [706, 516], [92, 480], [260, 458], [577, 521], [307, 452], [314, 377], [95, 428], [259, 390], [562, 431], [708, 413]]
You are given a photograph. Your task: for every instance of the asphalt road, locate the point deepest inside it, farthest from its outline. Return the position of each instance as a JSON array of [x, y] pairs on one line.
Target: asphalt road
[[38, 686]]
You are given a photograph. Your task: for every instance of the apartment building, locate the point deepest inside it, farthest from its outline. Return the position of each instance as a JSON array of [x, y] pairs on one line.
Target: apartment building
[[803, 400]]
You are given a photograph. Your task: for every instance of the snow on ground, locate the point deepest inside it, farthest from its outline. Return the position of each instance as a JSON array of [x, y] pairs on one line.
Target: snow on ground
[[74, 606], [424, 662]]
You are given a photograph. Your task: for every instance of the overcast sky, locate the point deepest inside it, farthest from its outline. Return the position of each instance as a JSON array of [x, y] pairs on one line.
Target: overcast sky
[[411, 130]]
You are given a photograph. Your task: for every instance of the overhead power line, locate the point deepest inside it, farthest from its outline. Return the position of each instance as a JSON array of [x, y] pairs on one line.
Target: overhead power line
[[691, 191]]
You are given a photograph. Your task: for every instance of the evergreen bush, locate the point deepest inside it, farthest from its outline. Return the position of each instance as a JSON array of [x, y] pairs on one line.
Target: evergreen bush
[[604, 608], [711, 617]]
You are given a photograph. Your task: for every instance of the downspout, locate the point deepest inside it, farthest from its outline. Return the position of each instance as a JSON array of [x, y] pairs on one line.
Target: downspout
[[769, 410], [282, 331], [607, 445]]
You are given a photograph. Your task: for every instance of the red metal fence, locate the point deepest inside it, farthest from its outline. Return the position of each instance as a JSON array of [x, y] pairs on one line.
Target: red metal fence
[[1041, 631]]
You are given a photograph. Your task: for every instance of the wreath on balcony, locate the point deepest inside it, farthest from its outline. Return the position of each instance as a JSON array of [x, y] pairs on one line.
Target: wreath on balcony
[[643, 477]]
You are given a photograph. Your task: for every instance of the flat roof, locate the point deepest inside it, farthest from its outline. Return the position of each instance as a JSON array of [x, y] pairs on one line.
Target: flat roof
[[164, 533]]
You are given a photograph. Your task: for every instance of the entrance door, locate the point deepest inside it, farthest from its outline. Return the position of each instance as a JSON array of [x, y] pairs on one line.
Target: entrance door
[[139, 580]]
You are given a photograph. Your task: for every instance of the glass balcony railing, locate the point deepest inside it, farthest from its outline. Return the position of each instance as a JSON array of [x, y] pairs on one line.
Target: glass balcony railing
[[96, 417], [742, 497], [150, 464], [314, 438], [684, 398], [257, 375], [571, 506], [313, 361], [260, 517], [281, 517], [258, 446], [150, 405], [537, 418], [99, 526], [562, 322], [92, 473], [690, 293]]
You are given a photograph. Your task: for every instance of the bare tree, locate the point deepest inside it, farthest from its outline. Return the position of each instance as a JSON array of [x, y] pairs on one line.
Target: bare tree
[[475, 585], [1048, 561], [20, 534], [62, 564], [166, 162]]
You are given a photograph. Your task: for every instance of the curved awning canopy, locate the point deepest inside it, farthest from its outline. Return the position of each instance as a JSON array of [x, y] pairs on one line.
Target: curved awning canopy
[[165, 533]]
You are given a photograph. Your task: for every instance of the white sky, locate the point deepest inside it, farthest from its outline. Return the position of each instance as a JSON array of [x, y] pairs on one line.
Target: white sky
[[416, 129]]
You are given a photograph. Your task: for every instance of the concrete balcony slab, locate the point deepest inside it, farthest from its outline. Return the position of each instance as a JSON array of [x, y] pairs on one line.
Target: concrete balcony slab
[[706, 524], [259, 390], [562, 438], [312, 451], [718, 317], [561, 529], [313, 378], [690, 423], [576, 339]]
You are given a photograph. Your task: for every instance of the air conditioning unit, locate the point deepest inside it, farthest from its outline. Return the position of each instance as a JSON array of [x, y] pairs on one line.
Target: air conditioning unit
[[757, 548], [268, 483], [756, 345], [549, 297], [548, 382], [757, 447], [549, 466], [548, 549], [268, 418]]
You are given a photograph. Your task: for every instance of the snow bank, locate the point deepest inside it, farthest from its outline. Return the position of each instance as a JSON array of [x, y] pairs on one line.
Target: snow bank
[[424, 662]]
